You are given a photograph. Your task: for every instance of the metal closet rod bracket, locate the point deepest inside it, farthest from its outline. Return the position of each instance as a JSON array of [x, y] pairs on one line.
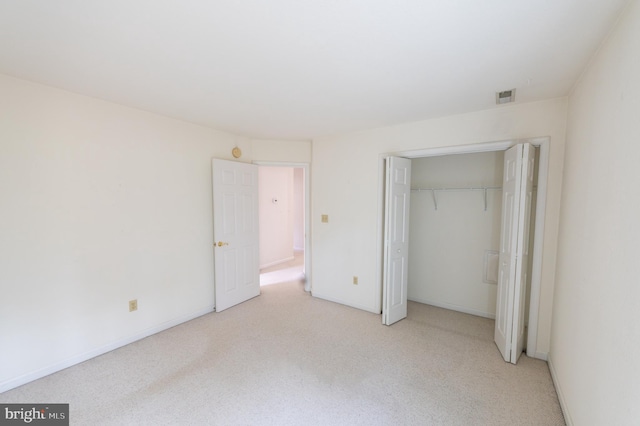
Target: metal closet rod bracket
[[485, 199], [484, 189]]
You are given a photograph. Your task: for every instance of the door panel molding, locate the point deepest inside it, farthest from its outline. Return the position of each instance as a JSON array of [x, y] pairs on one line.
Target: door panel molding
[[235, 232], [397, 196]]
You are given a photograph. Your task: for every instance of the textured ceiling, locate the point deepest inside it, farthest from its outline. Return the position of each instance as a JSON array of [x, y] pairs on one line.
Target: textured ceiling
[[300, 69]]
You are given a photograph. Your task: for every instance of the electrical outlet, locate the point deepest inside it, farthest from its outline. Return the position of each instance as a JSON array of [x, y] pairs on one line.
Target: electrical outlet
[[355, 280], [133, 305], [325, 218]]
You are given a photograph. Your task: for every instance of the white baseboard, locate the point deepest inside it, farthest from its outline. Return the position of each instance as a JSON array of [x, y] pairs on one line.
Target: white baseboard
[[561, 398], [277, 262], [342, 302], [541, 355], [455, 308], [38, 374]]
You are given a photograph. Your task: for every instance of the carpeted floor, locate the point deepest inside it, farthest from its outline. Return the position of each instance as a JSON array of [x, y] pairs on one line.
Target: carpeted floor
[[286, 358]]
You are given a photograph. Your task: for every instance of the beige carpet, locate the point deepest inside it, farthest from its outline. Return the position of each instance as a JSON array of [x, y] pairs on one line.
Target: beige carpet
[[285, 358]]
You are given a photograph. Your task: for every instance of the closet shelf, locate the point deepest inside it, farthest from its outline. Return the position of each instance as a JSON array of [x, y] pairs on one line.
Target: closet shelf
[[480, 188]]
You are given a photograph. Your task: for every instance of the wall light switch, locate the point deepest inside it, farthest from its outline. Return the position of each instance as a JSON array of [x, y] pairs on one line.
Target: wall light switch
[[355, 280], [325, 218]]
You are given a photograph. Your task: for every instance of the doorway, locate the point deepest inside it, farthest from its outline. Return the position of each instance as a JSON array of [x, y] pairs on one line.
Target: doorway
[[538, 223], [283, 210]]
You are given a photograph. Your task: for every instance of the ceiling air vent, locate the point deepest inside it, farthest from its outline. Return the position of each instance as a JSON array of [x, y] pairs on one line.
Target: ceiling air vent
[[506, 96]]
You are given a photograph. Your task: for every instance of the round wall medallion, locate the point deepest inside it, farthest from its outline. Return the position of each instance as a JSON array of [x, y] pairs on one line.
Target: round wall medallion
[[236, 152]]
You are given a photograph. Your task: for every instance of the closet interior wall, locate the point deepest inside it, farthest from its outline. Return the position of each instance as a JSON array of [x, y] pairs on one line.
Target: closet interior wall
[[448, 245]]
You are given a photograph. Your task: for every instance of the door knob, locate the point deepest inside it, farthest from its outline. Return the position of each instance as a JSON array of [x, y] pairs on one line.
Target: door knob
[[220, 244]]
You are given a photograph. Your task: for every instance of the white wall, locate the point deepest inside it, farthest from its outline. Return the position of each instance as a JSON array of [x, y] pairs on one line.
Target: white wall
[[447, 246], [100, 204], [275, 203], [267, 150], [345, 180], [595, 346]]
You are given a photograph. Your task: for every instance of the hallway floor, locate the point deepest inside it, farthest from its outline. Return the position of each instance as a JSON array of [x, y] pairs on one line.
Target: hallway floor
[[292, 270]]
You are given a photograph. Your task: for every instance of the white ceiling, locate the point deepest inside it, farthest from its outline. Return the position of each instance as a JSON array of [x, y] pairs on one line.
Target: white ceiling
[[301, 69]]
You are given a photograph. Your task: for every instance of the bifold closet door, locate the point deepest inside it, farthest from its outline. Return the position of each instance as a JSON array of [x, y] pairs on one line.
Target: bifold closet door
[[514, 241], [396, 239]]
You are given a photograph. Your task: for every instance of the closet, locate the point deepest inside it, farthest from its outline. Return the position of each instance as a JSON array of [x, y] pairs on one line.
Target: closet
[[455, 226]]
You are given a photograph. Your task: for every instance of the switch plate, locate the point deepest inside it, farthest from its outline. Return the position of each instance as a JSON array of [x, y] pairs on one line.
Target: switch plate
[[133, 305], [325, 218], [355, 280]]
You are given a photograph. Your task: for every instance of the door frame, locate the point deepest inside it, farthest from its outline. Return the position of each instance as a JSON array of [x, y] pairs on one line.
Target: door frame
[[307, 213], [543, 143]]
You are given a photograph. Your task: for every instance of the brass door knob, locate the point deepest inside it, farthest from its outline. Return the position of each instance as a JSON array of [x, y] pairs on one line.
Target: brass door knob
[[220, 244]]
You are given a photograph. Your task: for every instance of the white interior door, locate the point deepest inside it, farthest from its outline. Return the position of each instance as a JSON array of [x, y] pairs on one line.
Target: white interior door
[[396, 242], [514, 241], [235, 232]]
